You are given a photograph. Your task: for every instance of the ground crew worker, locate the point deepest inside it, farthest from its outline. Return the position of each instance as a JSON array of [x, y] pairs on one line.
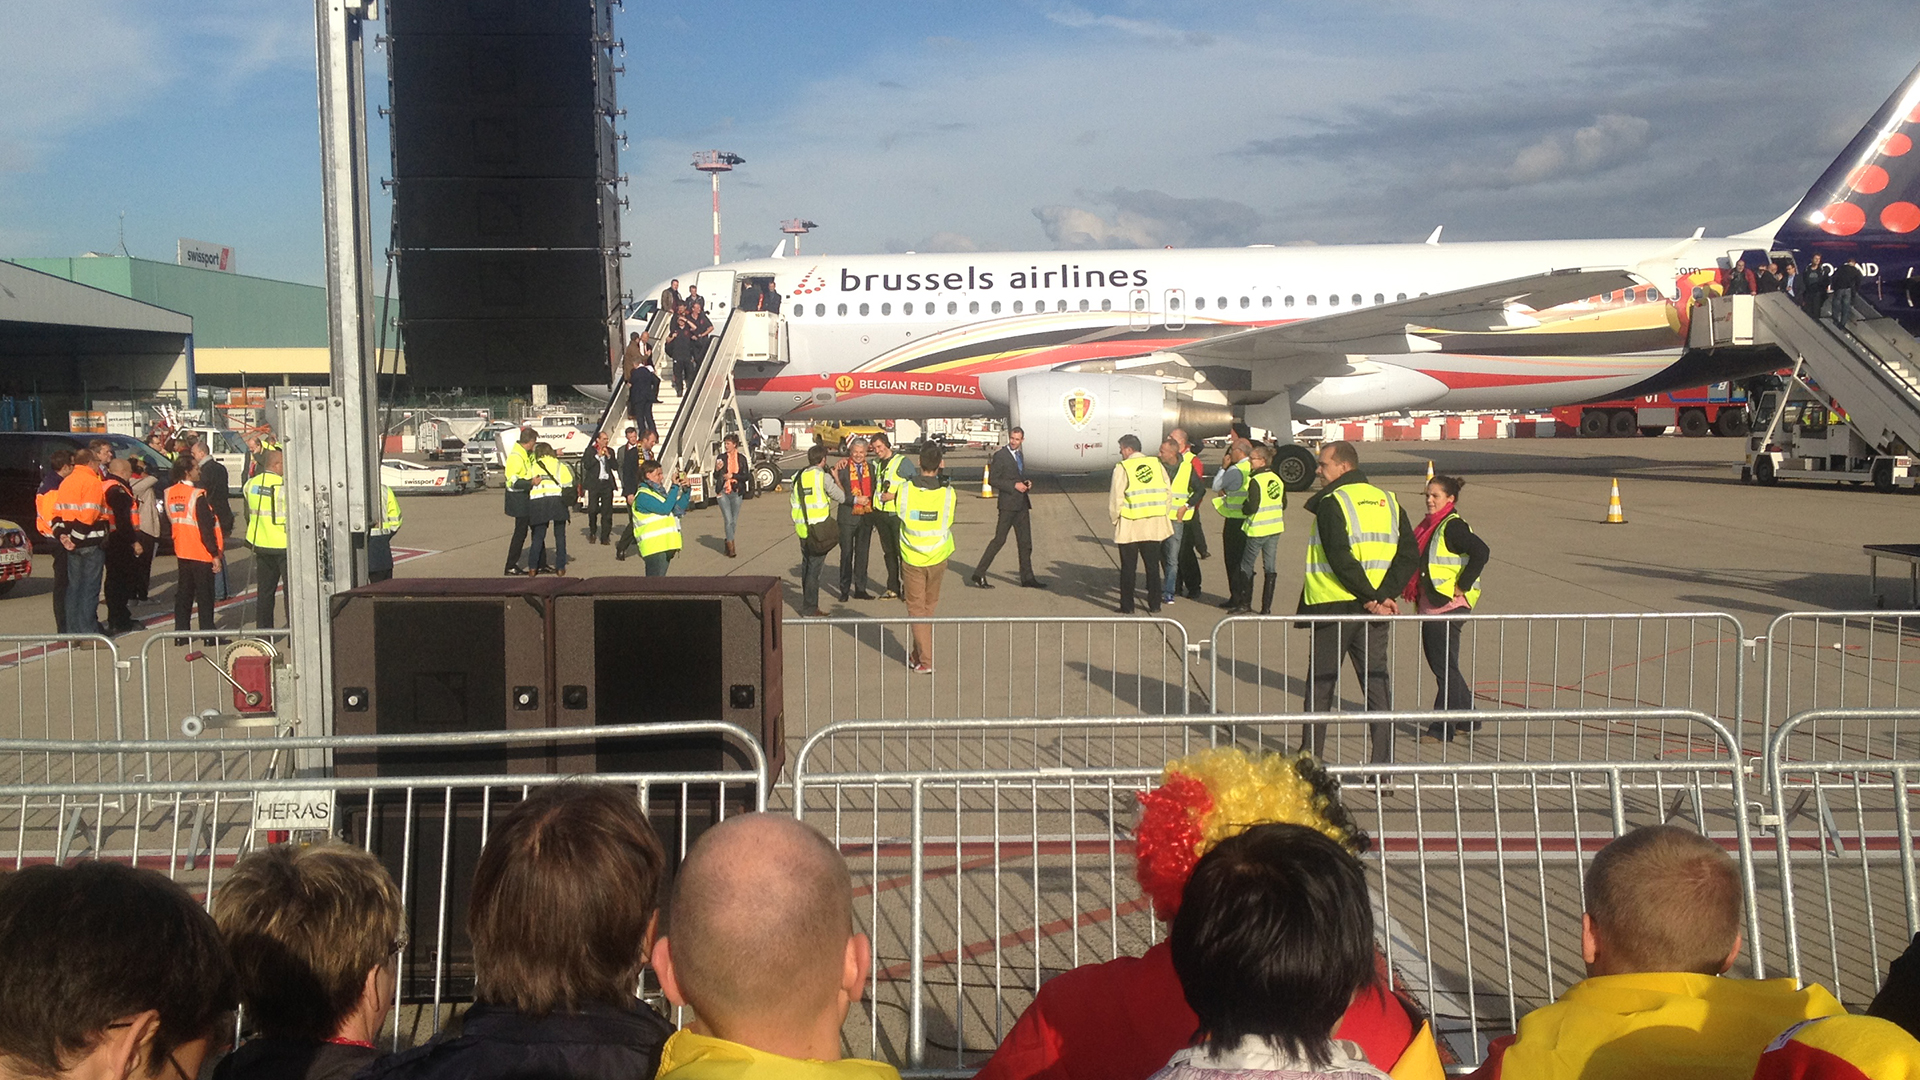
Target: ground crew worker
[[197, 546], [895, 471], [267, 534], [380, 538], [518, 472], [1265, 508], [549, 504], [1179, 492], [59, 464], [124, 543], [1193, 541], [1361, 555], [815, 494], [80, 525], [656, 510], [1448, 583], [1137, 506], [926, 505], [1229, 501]]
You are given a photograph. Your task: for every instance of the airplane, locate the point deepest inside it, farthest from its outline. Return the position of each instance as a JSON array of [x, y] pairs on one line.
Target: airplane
[[1079, 347]]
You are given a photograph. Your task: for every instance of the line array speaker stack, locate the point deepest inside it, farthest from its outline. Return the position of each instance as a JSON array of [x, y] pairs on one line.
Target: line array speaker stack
[[464, 654], [504, 166]]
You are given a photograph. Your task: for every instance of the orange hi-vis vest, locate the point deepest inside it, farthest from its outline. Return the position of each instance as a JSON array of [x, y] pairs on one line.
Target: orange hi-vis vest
[[43, 510], [80, 505], [183, 505], [132, 501]]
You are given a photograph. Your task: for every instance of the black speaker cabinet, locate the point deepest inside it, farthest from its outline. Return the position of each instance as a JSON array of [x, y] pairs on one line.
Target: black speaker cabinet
[[443, 655], [629, 650]]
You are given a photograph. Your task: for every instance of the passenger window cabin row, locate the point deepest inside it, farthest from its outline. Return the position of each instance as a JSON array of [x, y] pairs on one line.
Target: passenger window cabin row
[[1173, 302]]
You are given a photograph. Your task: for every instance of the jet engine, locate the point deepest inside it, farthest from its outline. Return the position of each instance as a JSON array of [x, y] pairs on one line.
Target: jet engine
[[1073, 421]]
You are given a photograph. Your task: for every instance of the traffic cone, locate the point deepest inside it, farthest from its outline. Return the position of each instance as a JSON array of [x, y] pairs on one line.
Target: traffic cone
[[1429, 470], [1614, 516], [986, 490]]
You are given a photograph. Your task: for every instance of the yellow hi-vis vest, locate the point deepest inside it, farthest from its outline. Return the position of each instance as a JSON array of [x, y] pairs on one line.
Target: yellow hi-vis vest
[[1373, 531], [926, 524], [390, 516], [810, 503], [266, 517], [1233, 504], [655, 533], [1444, 564], [889, 479], [1181, 490], [1146, 493], [1271, 518]]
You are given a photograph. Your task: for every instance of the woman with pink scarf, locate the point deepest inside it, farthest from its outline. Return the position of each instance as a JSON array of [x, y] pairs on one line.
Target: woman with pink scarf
[[1451, 558]]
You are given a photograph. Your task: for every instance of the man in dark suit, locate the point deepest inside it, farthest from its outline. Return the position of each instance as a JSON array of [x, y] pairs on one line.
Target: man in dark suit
[[213, 481], [1007, 475], [631, 455]]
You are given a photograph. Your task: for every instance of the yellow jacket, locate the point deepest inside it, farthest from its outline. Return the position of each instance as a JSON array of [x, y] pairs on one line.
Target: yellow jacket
[[688, 1056], [1670, 1025]]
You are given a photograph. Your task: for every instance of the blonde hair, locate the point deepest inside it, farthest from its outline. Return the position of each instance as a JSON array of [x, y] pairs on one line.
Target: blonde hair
[[1663, 898]]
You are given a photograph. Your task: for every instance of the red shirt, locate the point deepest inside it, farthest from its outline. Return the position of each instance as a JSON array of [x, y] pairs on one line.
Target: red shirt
[[1123, 1019]]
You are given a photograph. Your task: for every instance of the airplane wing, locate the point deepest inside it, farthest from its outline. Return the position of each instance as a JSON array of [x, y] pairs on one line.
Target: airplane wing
[[1396, 327]]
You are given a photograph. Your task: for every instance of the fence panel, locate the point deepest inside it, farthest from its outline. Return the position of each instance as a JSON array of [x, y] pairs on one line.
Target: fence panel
[[1623, 664], [977, 884], [1843, 828], [1854, 660], [427, 830], [59, 688], [856, 669]]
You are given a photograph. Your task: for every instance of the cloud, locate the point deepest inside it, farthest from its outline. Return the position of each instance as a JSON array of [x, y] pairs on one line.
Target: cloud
[[1611, 140], [1146, 219], [1078, 18]]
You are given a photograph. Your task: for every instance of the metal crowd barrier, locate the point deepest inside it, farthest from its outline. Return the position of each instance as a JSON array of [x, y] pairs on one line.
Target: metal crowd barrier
[[64, 688], [428, 830], [1842, 818], [1829, 660], [979, 880], [1690, 660], [856, 669]]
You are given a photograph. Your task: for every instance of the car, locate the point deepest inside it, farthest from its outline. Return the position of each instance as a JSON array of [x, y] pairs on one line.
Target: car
[[835, 433], [16, 556], [413, 478], [23, 461]]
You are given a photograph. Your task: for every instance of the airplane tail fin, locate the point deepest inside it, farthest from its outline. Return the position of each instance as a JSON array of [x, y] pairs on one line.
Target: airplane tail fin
[[1866, 206]]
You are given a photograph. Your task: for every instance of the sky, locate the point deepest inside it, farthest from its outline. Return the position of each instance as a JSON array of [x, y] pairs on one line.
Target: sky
[[1000, 124]]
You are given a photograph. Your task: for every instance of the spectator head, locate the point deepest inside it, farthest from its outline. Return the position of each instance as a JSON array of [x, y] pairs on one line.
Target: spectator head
[[1241, 431], [110, 971], [1444, 488], [1179, 437], [120, 467], [1016, 436], [600, 440], [1273, 939], [633, 434], [313, 931], [882, 445], [198, 450], [650, 438], [1337, 459], [101, 451], [1129, 445], [274, 461], [931, 455], [633, 338], [564, 899], [186, 468], [61, 461], [1661, 898], [857, 451], [732, 440], [760, 938], [528, 436], [674, 284], [541, 449], [1169, 452], [653, 472], [816, 453], [1262, 455]]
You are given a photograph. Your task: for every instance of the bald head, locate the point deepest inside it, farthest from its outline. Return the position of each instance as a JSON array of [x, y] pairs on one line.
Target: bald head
[[120, 467], [759, 930]]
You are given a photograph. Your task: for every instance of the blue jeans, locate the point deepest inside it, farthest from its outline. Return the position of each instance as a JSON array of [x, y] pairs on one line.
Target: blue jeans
[[656, 563], [1258, 547], [730, 512], [1170, 559], [86, 567]]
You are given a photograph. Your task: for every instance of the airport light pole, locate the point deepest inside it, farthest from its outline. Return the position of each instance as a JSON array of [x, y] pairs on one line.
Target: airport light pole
[[797, 228], [713, 163]]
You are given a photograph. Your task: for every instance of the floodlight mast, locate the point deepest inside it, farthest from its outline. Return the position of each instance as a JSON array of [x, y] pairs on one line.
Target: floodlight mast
[[713, 163], [797, 228]]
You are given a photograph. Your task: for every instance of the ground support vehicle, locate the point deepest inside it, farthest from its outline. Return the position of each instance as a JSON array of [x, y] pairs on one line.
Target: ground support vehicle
[[1720, 409]]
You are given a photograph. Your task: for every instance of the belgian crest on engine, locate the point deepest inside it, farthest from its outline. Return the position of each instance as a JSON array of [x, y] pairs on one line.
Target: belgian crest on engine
[[1079, 406]]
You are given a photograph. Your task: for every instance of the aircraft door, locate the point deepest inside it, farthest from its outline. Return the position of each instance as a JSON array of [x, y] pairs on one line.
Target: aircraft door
[[716, 288], [1139, 315], [1175, 317]]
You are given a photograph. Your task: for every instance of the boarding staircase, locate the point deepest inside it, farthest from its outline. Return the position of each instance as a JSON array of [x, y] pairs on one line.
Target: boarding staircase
[[696, 422], [1871, 367]]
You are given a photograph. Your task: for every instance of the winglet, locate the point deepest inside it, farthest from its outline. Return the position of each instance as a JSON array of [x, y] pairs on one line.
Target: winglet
[[1658, 266], [1434, 239], [780, 250]]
